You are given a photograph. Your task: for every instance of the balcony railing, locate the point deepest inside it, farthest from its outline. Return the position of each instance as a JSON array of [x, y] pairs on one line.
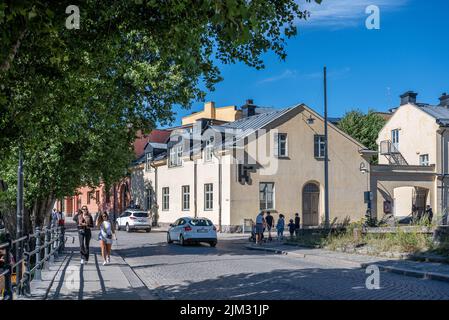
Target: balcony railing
[[391, 152]]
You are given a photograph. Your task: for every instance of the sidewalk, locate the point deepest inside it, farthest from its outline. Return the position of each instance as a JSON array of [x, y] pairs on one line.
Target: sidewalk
[[67, 279], [425, 270]]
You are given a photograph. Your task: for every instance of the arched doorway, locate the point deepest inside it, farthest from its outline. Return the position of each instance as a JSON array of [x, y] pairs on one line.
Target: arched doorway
[[123, 197], [310, 204]]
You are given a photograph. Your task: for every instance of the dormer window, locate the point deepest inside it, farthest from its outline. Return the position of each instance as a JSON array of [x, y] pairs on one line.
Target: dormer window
[[175, 159], [209, 150], [148, 162]]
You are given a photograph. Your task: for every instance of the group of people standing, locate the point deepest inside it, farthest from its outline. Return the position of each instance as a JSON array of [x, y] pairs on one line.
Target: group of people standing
[[85, 224], [266, 222]]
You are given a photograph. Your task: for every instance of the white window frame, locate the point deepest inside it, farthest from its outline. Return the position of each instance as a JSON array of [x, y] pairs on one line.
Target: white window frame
[[208, 196], [283, 141], [395, 138], [175, 156], [208, 151], [148, 162], [165, 198], [264, 196], [185, 190], [424, 159], [320, 141]]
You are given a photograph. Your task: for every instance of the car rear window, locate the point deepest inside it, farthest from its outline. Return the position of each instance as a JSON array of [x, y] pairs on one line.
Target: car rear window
[[200, 222], [140, 214]]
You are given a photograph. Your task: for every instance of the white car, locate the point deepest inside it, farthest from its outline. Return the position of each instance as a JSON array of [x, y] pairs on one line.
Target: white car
[[134, 220], [192, 230]]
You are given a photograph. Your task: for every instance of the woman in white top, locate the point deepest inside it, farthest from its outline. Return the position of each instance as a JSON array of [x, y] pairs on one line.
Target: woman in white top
[[105, 236]]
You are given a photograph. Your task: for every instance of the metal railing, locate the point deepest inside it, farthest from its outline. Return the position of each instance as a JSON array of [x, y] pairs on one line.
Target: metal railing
[[33, 252], [391, 152]]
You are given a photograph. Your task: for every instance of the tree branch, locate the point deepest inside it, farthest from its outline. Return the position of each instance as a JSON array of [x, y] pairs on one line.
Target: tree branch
[[10, 58]]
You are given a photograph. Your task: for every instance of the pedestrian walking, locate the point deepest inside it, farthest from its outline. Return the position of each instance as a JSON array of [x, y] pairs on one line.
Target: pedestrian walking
[[280, 227], [270, 223], [291, 228], [105, 236], [54, 218], [260, 224], [297, 224], [85, 223]]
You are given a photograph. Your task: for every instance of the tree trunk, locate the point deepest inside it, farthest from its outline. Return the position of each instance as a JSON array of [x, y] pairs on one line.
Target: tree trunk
[[41, 211]]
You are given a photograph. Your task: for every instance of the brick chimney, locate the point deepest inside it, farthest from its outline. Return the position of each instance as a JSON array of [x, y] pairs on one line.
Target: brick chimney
[[444, 100], [209, 110], [249, 108], [408, 97]]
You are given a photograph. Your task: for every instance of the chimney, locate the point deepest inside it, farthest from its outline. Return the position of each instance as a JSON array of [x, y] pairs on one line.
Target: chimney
[[408, 97], [209, 110], [249, 108], [444, 100]]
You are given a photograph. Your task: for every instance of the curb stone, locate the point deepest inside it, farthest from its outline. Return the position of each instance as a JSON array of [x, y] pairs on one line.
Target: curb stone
[[403, 271], [412, 273]]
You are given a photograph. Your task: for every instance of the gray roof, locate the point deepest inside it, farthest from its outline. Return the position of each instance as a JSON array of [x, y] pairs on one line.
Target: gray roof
[[441, 114], [244, 127], [255, 122]]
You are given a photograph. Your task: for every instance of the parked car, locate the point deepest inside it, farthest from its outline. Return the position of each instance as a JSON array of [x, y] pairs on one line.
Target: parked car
[[134, 220], [192, 230]]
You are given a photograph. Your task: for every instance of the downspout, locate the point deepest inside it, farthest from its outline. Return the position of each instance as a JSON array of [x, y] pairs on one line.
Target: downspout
[[195, 212], [443, 176], [219, 193], [155, 196]]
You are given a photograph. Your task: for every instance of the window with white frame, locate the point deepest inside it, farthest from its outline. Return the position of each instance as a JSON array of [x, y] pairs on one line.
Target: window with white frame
[[175, 156], [179, 155], [266, 195], [185, 198], [280, 145], [148, 162], [424, 160], [208, 196], [319, 146], [395, 138], [208, 150], [165, 198]]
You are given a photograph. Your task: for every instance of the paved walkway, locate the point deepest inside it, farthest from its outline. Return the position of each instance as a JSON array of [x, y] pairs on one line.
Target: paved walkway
[[67, 279], [426, 270]]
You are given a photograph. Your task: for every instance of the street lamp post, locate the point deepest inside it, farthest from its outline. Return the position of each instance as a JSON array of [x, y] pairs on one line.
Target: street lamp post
[[19, 213]]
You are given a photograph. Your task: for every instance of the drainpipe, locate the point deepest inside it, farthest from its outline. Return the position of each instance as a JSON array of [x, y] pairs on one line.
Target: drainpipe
[[443, 176], [195, 212], [219, 192]]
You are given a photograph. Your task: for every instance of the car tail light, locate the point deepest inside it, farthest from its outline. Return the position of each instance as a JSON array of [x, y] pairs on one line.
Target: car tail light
[[132, 218], [187, 228]]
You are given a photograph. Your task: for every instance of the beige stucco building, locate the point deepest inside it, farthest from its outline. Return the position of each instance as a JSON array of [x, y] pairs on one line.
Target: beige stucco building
[[413, 159], [270, 159]]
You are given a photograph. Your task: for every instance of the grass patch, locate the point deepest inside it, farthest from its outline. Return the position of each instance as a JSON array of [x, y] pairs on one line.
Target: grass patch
[[351, 239]]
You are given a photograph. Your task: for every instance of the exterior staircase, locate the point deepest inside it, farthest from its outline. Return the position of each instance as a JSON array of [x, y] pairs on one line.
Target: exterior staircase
[[389, 150]]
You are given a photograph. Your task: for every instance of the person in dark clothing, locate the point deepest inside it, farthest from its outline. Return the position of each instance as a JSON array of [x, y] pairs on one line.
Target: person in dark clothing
[[270, 223], [297, 224], [429, 214], [85, 223], [291, 228]]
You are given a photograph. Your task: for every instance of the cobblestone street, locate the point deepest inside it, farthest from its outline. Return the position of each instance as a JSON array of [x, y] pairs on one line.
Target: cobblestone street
[[230, 271]]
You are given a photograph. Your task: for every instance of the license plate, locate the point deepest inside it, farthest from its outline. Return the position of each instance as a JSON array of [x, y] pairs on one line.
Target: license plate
[[202, 230], [142, 220]]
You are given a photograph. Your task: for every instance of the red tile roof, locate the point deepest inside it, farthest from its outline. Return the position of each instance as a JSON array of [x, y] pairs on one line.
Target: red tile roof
[[157, 136]]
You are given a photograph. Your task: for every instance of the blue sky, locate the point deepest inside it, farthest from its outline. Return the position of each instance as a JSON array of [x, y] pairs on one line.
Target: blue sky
[[366, 68]]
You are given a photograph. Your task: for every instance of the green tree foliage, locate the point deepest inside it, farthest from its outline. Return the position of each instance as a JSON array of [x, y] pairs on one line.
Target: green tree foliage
[[363, 127], [73, 100]]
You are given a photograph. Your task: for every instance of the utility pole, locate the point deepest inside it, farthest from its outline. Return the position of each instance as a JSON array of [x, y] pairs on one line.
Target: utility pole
[[326, 158]]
